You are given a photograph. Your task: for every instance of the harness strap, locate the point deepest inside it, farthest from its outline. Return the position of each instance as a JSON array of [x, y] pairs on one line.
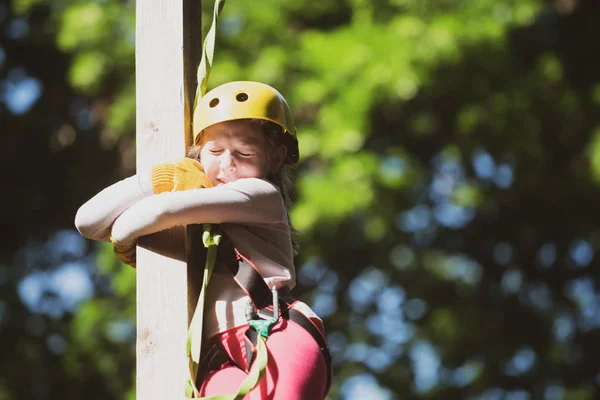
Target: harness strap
[[251, 281], [310, 327], [215, 358], [194, 339], [218, 357], [252, 337]]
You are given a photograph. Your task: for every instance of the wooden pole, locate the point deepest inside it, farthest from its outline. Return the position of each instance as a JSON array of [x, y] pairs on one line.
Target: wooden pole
[[168, 43]]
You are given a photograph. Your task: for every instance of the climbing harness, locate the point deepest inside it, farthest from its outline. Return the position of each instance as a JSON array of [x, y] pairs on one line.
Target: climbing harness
[[264, 309]]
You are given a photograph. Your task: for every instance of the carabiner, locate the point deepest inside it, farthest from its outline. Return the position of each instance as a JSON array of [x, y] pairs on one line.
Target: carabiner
[[275, 303], [265, 314]]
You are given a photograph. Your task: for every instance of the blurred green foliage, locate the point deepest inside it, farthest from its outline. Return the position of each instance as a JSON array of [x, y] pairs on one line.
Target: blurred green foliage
[[447, 197]]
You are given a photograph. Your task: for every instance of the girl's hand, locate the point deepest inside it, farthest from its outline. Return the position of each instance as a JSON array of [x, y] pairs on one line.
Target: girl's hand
[[185, 174], [125, 252]]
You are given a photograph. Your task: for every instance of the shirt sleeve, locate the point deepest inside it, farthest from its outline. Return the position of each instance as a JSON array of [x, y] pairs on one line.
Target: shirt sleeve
[[245, 201], [95, 218]]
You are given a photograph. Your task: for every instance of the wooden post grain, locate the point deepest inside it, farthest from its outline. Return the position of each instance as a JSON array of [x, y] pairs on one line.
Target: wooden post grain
[[168, 42]]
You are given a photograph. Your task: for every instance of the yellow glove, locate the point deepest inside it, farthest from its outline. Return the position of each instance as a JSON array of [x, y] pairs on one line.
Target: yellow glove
[[125, 252], [185, 174]]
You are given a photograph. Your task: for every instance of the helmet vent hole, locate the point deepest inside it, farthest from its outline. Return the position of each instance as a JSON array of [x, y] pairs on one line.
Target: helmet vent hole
[[213, 103], [241, 97]]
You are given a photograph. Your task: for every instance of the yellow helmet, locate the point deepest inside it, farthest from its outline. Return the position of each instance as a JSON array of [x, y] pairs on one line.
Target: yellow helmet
[[242, 100]]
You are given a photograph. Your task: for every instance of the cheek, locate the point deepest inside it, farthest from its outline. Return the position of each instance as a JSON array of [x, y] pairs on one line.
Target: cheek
[[259, 169], [244, 169], [209, 165], [207, 161], [266, 165]]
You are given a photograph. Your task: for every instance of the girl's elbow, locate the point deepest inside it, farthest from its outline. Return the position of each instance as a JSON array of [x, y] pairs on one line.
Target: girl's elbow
[[86, 226], [81, 223]]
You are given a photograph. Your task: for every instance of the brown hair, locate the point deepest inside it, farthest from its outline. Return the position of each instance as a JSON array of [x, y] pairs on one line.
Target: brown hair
[[283, 178]]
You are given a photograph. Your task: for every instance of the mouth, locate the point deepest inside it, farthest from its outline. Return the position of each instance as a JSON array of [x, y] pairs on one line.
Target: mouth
[[222, 181]]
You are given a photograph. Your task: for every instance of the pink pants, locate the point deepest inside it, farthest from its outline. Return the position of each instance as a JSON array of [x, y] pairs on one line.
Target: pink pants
[[296, 368]]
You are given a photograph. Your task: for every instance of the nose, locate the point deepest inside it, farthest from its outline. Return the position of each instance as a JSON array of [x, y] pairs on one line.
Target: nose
[[227, 160]]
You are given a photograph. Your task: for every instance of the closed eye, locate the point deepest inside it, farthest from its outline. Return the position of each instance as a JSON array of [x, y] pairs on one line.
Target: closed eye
[[215, 151]]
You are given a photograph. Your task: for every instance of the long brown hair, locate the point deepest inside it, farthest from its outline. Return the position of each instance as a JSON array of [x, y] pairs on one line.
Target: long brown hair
[[284, 178]]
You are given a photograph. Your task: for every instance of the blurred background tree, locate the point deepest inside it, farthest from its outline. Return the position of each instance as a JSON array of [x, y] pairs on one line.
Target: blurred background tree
[[447, 195]]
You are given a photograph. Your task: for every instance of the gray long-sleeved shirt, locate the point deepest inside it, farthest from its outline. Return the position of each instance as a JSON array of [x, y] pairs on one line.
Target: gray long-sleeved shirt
[[250, 212]]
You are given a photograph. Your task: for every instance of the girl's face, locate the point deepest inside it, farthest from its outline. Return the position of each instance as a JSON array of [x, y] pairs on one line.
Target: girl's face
[[237, 149]]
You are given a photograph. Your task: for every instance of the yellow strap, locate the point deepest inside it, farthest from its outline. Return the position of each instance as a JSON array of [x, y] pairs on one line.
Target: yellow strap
[[211, 241], [208, 50], [194, 339]]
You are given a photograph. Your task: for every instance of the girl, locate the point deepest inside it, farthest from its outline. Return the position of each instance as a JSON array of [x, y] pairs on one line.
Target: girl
[[244, 143]]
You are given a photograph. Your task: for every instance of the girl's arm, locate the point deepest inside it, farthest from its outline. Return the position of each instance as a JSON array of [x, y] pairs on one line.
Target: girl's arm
[[245, 201], [95, 218]]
